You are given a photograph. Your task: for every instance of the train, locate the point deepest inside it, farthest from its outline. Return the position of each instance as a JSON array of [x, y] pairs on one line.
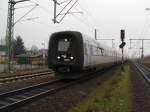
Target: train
[[72, 51]]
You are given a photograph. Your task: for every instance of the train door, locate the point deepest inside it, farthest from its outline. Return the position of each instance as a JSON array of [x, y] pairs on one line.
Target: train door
[[88, 53]]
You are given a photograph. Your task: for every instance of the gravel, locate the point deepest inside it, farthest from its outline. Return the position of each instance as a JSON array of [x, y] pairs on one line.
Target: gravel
[[140, 92], [67, 98]]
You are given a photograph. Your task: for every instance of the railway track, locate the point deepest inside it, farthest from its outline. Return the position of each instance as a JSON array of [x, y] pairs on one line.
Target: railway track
[[25, 76], [13, 99], [145, 71]]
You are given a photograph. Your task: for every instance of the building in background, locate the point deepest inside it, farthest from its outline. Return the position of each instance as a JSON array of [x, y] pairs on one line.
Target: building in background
[[3, 56], [33, 58]]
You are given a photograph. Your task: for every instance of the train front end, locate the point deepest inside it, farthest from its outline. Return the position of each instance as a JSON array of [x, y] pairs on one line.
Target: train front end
[[65, 53]]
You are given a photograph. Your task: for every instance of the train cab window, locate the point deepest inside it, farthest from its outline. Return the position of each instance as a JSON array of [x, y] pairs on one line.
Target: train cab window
[[63, 44], [98, 51]]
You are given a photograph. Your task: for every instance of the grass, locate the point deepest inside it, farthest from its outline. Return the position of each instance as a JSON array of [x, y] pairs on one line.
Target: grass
[[13, 73], [7, 74], [111, 96], [17, 72]]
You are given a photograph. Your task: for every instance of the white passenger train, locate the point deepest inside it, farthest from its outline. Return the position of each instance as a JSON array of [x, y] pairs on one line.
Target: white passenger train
[[71, 51]]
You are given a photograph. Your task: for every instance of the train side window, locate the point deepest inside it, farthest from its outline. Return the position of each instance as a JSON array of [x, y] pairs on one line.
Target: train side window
[[100, 51], [91, 50], [109, 54], [106, 52]]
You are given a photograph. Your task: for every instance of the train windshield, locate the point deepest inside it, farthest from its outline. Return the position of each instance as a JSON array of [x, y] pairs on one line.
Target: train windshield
[[63, 44]]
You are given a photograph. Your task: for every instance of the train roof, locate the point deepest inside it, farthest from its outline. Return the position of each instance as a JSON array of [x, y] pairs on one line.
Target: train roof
[[88, 38], [95, 42]]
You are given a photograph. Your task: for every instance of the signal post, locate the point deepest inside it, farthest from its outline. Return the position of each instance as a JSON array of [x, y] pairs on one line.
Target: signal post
[[122, 36]]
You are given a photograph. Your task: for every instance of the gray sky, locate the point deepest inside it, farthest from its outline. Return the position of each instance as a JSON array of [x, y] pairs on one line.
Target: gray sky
[[108, 16]]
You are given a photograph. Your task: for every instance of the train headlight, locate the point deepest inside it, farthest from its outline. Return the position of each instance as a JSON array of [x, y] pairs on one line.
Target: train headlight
[[66, 40], [58, 57], [71, 57], [64, 56]]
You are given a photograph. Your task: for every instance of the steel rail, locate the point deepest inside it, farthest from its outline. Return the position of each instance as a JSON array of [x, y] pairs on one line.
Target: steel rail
[[26, 76], [25, 73], [144, 71], [12, 100]]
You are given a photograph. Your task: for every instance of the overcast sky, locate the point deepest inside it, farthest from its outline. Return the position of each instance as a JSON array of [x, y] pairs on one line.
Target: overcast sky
[[107, 16]]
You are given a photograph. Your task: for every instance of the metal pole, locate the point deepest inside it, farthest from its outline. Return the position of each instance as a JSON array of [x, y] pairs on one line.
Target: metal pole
[[43, 53], [9, 31], [95, 32], [112, 43], [122, 56], [130, 43], [55, 5], [142, 55]]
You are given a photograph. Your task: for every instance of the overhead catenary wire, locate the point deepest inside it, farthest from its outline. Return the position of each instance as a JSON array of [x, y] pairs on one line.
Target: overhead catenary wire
[[82, 21], [29, 19], [144, 29], [140, 43], [91, 24], [63, 2], [68, 11], [26, 14], [77, 18], [89, 14], [24, 6], [85, 19], [63, 8], [44, 24], [86, 22], [40, 6]]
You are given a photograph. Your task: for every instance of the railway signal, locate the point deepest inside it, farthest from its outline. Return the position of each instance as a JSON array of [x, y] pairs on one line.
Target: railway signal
[[122, 44], [122, 36]]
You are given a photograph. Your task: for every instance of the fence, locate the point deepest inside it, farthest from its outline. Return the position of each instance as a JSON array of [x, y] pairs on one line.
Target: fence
[[14, 67]]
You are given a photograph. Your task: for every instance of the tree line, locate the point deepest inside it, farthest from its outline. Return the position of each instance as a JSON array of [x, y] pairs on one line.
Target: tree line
[[18, 46]]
